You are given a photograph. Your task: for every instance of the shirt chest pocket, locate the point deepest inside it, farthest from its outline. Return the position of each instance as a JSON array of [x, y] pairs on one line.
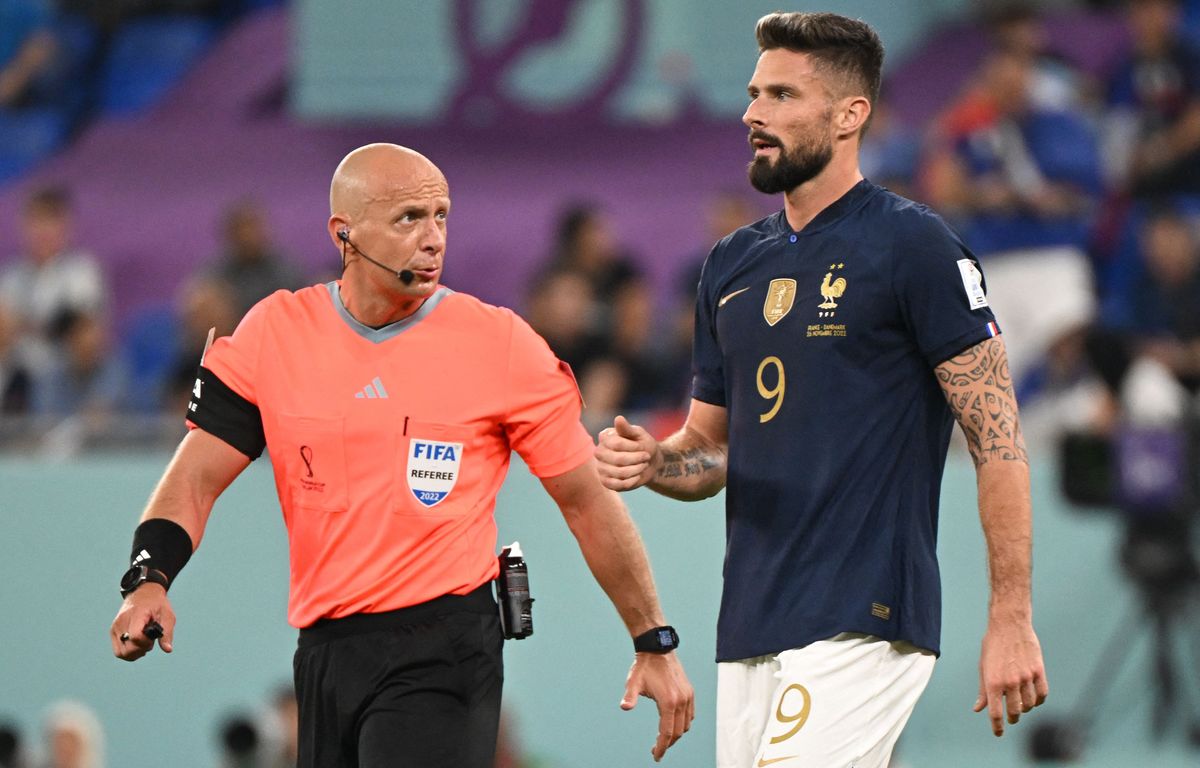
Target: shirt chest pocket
[[311, 452], [435, 477]]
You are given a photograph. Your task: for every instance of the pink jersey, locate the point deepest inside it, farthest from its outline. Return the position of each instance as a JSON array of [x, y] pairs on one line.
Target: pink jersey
[[389, 445]]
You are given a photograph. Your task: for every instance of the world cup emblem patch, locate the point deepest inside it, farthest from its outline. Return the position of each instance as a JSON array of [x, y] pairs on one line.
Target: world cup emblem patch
[[433, 468]]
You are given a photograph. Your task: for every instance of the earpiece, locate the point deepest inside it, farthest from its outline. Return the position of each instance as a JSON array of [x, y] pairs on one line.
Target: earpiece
[[344, 235]]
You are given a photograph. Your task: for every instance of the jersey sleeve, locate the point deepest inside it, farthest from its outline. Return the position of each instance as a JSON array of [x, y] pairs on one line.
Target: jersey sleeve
[[941, 290], [708, 371], [543, 406], [224, 398]]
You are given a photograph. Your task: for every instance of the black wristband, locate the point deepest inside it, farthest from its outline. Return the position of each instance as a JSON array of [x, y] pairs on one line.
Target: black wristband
[[163, 545]]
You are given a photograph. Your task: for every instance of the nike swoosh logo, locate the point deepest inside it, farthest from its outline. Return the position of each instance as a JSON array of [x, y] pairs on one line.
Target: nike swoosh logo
[[763, 761], [729, 296]]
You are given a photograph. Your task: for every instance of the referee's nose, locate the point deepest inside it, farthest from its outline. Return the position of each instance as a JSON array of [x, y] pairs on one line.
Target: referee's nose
[[433, 236]]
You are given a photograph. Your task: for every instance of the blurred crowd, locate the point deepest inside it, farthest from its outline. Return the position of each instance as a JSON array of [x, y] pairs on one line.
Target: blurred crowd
[[266, 737], [72, 737], [64, 375], [1079, 191]]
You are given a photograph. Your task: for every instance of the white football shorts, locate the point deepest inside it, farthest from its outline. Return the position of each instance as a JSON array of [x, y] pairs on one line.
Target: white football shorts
[[837, 703]]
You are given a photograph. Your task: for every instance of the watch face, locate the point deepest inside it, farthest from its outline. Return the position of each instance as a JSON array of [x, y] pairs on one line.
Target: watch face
[[132, 577], [666, 637]]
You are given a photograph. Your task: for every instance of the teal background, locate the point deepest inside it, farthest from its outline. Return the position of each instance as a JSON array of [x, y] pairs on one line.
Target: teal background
[[64, 539], [382, 59]]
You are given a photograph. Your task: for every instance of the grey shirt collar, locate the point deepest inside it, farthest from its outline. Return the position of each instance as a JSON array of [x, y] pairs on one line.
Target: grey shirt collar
[[378, 335]]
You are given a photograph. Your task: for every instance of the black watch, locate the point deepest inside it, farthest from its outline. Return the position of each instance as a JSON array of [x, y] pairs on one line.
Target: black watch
[[139, 575], [657, 640]]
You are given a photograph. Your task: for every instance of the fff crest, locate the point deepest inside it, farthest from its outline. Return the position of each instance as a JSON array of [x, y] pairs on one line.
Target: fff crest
[[781, 294]]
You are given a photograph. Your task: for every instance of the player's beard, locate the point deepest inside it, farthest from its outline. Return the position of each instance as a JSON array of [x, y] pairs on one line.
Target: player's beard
[[792, 168]]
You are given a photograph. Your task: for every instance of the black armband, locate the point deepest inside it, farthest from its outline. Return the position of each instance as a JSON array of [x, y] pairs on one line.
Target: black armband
[[162, 545], [223, 413]]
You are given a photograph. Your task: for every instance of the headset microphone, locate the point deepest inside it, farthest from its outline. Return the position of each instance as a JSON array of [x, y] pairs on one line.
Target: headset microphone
[[405, 276]]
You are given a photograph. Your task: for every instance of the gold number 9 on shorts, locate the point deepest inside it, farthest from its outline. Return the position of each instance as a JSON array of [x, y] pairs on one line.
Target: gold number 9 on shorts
[[799, 718], [776, 392]]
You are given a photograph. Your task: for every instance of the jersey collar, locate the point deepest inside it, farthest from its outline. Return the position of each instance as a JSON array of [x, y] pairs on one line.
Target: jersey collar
[[853, 198], [379, 335]]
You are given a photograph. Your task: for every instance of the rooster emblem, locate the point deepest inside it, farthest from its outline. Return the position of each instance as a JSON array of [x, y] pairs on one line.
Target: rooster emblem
[[832, 289]]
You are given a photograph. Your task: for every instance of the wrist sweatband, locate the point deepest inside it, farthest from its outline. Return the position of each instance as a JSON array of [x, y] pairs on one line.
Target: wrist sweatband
[[163, 545]]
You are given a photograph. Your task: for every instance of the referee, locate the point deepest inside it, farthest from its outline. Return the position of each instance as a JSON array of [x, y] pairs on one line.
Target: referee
[[390, 406]]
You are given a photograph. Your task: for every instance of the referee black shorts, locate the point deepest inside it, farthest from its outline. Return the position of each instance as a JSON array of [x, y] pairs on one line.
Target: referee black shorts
[[418, 687]]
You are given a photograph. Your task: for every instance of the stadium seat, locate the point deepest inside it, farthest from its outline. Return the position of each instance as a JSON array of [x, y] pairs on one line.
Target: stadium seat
[[29, 135], [69, 82], [148, 56]]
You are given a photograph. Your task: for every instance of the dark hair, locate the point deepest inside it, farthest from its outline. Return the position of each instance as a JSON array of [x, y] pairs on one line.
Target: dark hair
[[52, 200], [848, 47], [571, 223]]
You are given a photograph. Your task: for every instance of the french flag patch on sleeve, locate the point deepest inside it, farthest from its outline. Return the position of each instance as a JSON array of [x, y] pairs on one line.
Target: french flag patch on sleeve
[[993, 330]]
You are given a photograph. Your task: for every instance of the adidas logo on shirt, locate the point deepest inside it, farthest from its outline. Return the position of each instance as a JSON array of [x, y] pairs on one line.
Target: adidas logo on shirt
[[372, 391], [143, 555]]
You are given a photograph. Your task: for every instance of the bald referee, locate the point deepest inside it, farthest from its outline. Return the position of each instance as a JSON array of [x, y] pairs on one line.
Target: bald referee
[[837, 341], [390, 406]]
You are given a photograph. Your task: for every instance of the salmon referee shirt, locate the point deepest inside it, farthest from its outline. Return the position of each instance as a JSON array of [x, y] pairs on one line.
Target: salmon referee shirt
[[388, 445]]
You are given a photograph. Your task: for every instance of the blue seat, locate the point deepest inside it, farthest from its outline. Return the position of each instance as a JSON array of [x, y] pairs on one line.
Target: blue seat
[[147, 57], [27, 136], [68, 82]]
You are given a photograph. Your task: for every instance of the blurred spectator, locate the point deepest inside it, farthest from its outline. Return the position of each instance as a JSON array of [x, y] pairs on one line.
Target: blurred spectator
[[1164, 324], [86, 378], [1152, 136], [204, 303], [27, 47], [16, 382], [239, 740], [560, 308], [890, 152], [1021, 184], [646, 352], [50, 277], [508, 748], [1055, 84], [604, 386], [585, 244], [727, 210], [74, 738], [250, 265], [284, 719], [10, 746]]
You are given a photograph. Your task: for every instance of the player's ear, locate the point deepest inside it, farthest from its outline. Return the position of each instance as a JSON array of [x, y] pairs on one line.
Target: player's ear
[[853, 116]]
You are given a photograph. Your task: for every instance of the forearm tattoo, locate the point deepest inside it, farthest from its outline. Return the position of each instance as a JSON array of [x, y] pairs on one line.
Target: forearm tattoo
[[693, 461], [978, 387]]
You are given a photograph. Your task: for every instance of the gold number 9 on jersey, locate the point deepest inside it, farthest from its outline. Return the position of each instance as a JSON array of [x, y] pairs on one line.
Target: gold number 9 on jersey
[[776, 392]]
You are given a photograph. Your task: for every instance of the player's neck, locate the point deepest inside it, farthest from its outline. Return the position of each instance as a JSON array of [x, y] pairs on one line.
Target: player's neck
[[803, 203]]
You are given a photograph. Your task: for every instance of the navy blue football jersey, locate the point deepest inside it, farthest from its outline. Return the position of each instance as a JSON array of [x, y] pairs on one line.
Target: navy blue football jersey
[[821, 344]]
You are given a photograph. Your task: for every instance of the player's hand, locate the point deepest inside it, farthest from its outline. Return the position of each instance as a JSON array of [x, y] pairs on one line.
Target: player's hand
[[660, 676], [145, 604], [627, 456], [1012, 676]]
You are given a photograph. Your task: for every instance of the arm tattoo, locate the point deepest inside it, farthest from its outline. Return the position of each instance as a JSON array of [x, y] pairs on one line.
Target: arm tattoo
[[979, 389], [693, 461]]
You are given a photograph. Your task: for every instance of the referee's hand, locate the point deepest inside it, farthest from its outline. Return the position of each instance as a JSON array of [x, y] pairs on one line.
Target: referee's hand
[[660, 676], [627, 456], [148, 603]]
